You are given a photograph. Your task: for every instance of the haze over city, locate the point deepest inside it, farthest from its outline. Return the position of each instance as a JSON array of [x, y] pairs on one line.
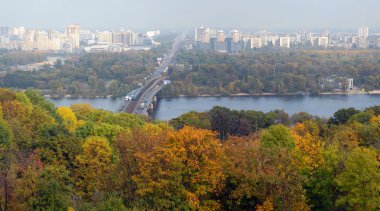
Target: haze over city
[[172, 14], [210, 105]]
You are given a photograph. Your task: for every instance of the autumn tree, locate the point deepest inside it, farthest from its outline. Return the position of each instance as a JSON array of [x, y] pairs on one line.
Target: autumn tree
[[257, 173], [93, 166], [130, 143], [27, 183], [185, 173], [242, 176], [6, 138], [69, 119], [308, 145]]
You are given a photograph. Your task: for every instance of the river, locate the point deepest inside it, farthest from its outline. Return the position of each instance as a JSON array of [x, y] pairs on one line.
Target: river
[[168, 108]]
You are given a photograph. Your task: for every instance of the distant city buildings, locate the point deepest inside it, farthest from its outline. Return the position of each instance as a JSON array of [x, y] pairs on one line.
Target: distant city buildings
[[105, 37], [284, 42], [235, 41], [74, 39], [363, 32], [73, 36]]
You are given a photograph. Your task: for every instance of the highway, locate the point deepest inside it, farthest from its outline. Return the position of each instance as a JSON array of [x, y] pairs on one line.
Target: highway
[[131, 105], [140, 104]]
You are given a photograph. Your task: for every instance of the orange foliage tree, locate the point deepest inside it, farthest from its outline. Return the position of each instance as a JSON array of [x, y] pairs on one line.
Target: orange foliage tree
[[185, 173]]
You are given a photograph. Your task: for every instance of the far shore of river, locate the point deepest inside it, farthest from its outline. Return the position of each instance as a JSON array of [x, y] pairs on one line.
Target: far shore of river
[[374, 92], [355, 92]]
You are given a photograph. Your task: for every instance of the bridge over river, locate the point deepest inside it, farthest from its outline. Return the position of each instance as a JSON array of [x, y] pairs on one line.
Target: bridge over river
[[140, 103]]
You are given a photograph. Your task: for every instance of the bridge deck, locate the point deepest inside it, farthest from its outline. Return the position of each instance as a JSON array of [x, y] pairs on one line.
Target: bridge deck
[[133, 104], [150, 88]]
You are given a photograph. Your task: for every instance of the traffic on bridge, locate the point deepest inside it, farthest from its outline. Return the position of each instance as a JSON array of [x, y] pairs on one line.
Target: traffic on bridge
[[138, 101]]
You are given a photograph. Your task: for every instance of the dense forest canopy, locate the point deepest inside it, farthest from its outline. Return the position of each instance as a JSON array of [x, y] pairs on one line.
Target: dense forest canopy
[[270, 71], [202, 73], [80, 158], [88, 74], [18, 58]]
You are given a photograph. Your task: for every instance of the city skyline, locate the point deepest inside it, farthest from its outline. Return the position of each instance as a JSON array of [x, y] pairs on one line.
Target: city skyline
[[170, 14]]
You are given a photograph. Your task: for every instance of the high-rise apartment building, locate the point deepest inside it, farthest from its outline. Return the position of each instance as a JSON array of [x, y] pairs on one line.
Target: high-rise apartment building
[[363, 32], [202, 35], [127, 38], [105, 37], [235, 34], [285, 42], [117, 38], [323, 42], [86, 35], [255, 42], [29, 35], [53, 34], [17, 32], [73, 36], [220, 36], [198, 33], [206, 36]]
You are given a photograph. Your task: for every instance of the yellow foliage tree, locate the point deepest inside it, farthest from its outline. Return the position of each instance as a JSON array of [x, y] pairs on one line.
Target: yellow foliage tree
[[308, 145], [82, 109], [69, 119], [375, 120], [266, 206], [346, 137], [94, 165]]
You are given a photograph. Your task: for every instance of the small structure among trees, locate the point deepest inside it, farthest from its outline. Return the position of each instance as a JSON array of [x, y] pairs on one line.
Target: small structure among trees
[[337, 82]]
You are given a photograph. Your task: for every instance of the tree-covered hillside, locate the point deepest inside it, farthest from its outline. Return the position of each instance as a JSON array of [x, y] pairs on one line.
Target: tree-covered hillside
[[80, 158], [270, 71]]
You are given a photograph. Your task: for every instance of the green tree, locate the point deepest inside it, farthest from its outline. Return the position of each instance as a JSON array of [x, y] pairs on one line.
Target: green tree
[[220, 120], [113, 88], [54, 189], [360, 180], [342, 116], [193, 119], [277, 136], [362, 117]]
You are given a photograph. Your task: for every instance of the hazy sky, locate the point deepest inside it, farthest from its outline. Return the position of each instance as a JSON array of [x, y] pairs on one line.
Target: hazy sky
[[144, 14]]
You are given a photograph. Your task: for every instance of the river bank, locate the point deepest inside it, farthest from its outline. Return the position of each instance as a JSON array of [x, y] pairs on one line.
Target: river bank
[[76, 97], [350, 92], [355, 92]]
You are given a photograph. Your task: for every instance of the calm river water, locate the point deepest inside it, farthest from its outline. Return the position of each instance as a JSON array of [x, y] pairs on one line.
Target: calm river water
[[168, 108]]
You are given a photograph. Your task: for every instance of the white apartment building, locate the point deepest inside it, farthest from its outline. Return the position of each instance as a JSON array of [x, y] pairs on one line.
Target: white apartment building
[[284, 42], [256, 42], [105, 37], [323, 42], [363, 32], [73, 36]]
